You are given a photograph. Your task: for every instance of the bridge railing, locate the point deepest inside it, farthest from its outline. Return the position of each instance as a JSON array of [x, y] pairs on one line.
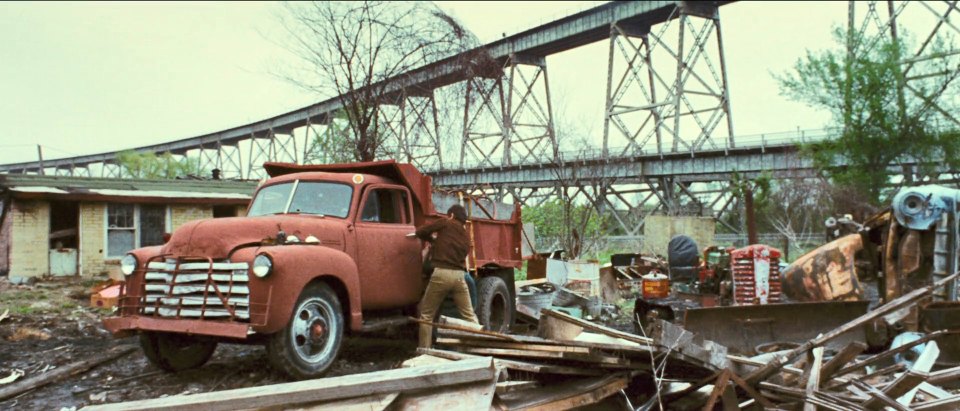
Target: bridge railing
[[752, 141]]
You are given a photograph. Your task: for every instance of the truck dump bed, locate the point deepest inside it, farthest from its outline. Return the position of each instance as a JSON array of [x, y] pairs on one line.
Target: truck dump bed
[[496, 228]]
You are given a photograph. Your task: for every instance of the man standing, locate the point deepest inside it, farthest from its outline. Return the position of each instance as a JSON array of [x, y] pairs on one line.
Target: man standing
[[449, 253]]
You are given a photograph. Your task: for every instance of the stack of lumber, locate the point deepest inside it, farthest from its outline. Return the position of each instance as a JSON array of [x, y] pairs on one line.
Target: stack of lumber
[[571, 357]]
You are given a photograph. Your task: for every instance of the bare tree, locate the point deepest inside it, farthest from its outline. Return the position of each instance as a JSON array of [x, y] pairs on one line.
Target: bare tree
[[350, 48]]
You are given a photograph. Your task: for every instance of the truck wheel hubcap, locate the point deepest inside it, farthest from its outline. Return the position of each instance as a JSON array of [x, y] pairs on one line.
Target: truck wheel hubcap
[[311, 331]]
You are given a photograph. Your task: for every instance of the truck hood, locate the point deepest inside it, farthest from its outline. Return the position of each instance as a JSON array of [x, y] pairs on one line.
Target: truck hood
[[217, 238]]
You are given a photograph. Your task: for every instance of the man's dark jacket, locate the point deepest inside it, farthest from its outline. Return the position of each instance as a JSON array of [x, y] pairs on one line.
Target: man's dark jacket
[[451, 246]]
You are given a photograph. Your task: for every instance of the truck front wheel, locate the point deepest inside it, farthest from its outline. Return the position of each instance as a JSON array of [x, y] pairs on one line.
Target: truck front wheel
[[493, 306], [309, 343], [176, 352]]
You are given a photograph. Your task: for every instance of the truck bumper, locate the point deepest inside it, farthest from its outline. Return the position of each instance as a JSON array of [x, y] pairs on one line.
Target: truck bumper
[[128, 325]]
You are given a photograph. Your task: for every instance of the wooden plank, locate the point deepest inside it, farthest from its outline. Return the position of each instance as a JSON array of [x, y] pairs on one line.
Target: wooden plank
[[66, 371], [738, 360], [675, 338], [517, 365], [476, 396], [813, 380], [946, 404], [878, 399], [719, 385], [848, 353], [566, 395], [463, 329], [596, 327], [934, 391], [900, 386], [514, 346], [590, 358], [883, 371], [889, 353], [545, 345], [422, 360], [943, 376], [923, 364], [511, 386], [901, 302], [348, 386], [759, 398], [377, 402]]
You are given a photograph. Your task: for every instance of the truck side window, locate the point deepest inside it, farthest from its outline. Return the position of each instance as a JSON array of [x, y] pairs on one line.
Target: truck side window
[[385, 206]]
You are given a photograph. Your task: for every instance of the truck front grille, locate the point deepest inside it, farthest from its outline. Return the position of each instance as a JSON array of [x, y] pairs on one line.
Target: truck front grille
[[195, 289]]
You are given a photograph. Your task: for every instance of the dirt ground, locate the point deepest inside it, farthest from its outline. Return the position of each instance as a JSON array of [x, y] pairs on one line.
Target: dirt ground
[[50, 324]]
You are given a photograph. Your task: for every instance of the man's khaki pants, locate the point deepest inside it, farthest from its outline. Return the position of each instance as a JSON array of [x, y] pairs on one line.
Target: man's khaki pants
[[442, 282]]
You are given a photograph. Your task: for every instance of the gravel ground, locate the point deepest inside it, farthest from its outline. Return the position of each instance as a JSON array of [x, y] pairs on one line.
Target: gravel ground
[[50, 324]]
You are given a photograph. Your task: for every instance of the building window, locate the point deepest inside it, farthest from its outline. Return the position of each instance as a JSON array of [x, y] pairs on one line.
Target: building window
[[132, 226]]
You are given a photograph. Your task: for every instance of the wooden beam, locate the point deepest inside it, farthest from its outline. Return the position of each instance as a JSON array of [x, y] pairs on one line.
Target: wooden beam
[[845, 355], [464, 329], [946, 404], [517, 365], [883, 371], [596, 327], [890, 353], [813, 380], [947, 375], [759, 398], [63, 372], [378, 402], [877, 398], [901, 302], [477, 396], [348, 386], [567, 395], [719, 385]]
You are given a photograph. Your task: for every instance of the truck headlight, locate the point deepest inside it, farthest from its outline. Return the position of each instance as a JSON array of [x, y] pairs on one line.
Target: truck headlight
[[262, 265], [127, 264]]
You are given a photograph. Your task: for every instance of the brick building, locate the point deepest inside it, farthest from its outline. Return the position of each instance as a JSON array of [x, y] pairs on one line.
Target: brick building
[[82, 226]]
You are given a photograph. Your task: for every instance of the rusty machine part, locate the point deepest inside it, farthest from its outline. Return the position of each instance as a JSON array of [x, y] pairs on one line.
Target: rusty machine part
[[742, 328], [920, 209], [827, 273], [943, 315], [756, 275]]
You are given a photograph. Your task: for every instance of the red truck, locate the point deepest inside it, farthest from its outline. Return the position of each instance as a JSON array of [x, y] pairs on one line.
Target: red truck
[[322, 251]]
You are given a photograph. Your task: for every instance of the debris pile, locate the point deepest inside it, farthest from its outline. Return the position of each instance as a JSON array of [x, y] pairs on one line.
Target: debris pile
[[574, 363]]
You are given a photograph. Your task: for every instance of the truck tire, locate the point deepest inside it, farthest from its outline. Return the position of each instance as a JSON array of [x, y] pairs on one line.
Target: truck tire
[[309, 344], [176, 352], [494, 309]]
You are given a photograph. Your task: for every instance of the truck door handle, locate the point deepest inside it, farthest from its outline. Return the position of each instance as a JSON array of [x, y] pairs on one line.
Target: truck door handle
[[349, 227]]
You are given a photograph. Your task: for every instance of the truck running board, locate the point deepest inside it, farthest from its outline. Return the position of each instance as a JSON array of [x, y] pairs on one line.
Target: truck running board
[[382, 323]]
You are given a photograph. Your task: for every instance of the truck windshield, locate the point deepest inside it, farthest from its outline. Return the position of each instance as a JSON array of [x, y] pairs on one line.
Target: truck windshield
[[328, 199]]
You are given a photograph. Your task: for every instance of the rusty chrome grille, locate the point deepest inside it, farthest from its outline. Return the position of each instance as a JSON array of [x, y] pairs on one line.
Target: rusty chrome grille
[[197, 289]]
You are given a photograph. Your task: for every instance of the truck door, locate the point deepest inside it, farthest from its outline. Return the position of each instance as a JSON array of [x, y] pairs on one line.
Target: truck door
[[389, 262]]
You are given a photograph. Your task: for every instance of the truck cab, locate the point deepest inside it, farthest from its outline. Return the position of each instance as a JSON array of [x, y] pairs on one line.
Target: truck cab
[[322, 251]]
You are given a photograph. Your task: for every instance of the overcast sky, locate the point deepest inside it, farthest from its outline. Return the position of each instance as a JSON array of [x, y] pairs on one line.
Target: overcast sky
[[82, 78]]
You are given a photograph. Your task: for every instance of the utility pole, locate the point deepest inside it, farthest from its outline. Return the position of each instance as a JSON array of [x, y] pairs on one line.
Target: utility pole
[[40, 155]]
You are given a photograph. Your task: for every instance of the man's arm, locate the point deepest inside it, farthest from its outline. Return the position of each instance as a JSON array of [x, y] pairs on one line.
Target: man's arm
[[425, 233]]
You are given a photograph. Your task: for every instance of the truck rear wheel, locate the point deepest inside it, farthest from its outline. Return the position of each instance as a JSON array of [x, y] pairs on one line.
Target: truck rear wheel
[[176, 352], [493, 306], [309, 344]]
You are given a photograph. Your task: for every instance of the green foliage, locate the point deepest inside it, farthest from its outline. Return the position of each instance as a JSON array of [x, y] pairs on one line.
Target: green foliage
[[150, 165], [568, 222], [882, 120]]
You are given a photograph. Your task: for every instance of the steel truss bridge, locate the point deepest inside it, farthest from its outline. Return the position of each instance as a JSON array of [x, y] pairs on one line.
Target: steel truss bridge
[[668, 142]]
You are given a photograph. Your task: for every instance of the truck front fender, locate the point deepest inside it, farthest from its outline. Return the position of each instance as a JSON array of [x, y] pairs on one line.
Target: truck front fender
[[295, 266]]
